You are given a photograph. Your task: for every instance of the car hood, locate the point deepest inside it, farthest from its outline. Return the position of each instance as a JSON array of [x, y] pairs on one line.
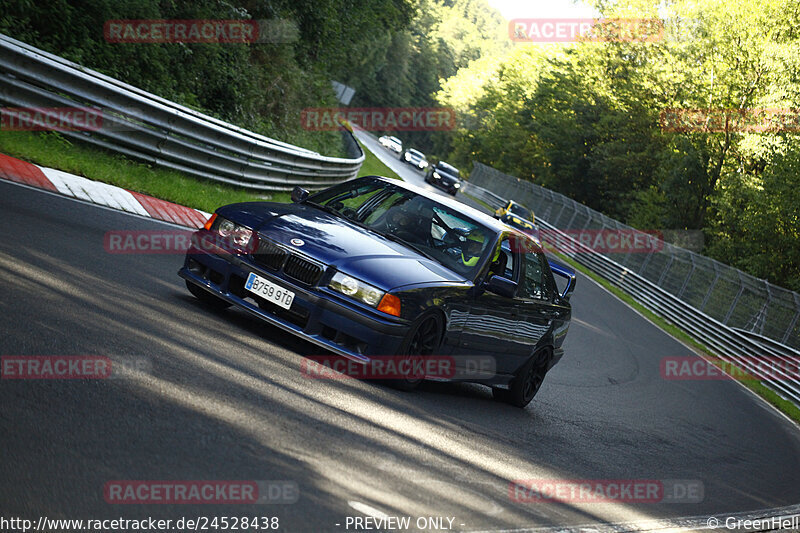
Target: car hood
[[336, 241]]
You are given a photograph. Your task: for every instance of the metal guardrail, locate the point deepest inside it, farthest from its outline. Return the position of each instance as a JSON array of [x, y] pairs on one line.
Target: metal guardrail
[[741, 348], [146, 127], [725, 293]]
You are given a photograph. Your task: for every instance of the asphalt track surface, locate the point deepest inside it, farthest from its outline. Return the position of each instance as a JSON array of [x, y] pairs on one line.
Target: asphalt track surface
[[223, 398]]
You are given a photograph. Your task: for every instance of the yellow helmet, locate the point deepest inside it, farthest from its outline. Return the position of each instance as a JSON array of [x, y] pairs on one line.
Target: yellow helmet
[[472, 247]]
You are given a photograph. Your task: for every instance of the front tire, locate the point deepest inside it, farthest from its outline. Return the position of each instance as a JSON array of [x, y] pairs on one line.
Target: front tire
[[422, 340], [528, 380], [206, 297]]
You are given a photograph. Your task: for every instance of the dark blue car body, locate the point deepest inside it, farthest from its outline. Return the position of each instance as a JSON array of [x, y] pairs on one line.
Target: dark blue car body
[[301, 246]]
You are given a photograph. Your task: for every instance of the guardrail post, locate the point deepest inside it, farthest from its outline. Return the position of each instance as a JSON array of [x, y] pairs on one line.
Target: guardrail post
[[686, 280], [574, 214], [729, 343], [710, 288], [734, 302], [793, 323], [666, 269], [646, 261], [789, 330]]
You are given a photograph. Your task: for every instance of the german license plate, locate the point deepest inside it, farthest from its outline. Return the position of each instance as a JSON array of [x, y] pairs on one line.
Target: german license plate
[[269, 291]]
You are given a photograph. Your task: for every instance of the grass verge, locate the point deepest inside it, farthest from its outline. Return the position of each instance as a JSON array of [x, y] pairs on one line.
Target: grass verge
[[373, 166], [480, 202], [55, 151], [783, 405]]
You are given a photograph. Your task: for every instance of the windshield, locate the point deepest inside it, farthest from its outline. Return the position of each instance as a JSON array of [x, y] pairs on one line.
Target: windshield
[[516, 209], [448, 168], [434, 230]]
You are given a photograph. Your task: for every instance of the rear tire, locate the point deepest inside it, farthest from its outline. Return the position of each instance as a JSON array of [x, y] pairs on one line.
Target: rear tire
[[528, 381], [206, 297], [501, 395], [422, 340]]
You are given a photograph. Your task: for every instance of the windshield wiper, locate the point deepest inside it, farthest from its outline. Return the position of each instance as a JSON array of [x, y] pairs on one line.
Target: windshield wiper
[[389, 236], [404, 242], [325, 208]]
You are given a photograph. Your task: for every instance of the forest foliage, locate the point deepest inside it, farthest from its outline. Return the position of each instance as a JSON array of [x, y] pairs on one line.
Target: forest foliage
[[584, 118]]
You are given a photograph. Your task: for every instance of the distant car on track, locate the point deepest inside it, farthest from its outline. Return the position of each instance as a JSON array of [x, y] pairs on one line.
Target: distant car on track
[[415, 158], [392, 143], [513, 208], [520, 217], [376, 267], [445, 177]]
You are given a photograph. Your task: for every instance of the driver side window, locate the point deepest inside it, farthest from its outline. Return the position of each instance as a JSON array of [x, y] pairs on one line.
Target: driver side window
[[505, 262], [533, 283]]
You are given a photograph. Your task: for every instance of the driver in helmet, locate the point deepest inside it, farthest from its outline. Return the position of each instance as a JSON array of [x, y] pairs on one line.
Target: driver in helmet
[[472, 247]]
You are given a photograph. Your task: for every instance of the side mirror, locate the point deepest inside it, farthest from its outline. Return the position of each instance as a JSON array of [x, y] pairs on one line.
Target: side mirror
[[299, 194], [502, 286]]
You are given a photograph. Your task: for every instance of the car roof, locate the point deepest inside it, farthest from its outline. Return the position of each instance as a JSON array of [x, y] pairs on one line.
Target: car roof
[[396, 139], [484, 218]]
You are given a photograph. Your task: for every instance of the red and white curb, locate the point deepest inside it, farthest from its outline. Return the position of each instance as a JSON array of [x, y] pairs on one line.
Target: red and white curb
[[53, 180]]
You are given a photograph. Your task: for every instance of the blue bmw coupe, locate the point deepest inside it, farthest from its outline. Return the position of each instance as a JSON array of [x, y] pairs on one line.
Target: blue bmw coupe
[[376, 267]]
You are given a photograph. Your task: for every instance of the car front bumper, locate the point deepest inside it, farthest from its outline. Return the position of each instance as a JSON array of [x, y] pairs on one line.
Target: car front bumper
[[314, 315], [449, 187]]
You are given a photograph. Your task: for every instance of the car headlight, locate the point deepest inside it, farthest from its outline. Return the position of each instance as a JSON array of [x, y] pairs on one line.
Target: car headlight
[[408, 157], [239, 235], [437, 176], [423, 164], [457, 185], [356, 289]]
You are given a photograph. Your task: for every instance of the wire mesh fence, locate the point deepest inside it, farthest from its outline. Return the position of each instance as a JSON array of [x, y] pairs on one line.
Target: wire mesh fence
[[727, 294]]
